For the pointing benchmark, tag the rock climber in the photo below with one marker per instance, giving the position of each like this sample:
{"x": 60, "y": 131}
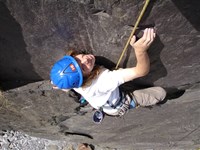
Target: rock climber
{"x": 101, "y": 86}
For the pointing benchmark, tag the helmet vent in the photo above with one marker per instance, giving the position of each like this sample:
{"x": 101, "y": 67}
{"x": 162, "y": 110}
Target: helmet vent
{"x": 69, "y": 69}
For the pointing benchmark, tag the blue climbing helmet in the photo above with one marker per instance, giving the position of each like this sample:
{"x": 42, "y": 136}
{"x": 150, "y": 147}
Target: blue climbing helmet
{"x": 66, "y": 73}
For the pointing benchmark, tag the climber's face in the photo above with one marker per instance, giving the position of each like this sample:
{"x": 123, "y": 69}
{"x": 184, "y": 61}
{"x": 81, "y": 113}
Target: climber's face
{"x": 86, "y": 62}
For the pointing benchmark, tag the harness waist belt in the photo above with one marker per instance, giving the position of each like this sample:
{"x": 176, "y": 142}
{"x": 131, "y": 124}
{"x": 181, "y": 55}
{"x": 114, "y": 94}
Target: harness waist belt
{"x": 118, "y": 102}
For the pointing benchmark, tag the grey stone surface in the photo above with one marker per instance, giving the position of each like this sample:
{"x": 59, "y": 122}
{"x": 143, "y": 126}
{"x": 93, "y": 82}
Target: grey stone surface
{"x": 34, "y": 34}
{"x": 39, "y": 111}
{"x": 14, "y": 140}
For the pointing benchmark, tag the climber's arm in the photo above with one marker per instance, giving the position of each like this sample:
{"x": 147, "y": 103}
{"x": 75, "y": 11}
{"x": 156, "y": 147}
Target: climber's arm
{"x": 143, "y": 64}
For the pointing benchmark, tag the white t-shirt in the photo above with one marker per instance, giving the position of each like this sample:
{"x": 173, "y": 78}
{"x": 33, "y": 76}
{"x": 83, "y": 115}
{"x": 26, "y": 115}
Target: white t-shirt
{"x": 104, "y": 88}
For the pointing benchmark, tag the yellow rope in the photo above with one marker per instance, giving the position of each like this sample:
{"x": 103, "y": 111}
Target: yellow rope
{"x": 133, "y": 31}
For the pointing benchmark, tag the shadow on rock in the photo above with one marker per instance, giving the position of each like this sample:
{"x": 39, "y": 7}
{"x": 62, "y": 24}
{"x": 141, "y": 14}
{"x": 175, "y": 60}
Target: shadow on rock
{"x": 102, "y": 61}
{"x": 172, "y": 93}
{"x": 16, "y": 66}
{"x": 157, "y": 69}
{"x": 189, "y": 9}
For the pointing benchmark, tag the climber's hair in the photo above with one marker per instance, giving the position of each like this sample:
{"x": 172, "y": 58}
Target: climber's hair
{"x": 94, "y": 73}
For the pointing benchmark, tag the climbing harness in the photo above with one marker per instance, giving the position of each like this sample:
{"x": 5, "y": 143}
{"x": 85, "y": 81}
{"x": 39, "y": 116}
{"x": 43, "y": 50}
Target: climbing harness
{"x": 125, "y": 105}
{"x": 133, "y": 31}
{"x": 118, "y": 102}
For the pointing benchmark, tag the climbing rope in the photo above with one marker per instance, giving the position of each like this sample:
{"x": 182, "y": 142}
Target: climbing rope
{"x": 133, "y": 31}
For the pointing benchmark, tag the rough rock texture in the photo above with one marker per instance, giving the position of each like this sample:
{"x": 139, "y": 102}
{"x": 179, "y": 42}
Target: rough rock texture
{"x": 40, "y": 111}
{"x": 35, "y": 33}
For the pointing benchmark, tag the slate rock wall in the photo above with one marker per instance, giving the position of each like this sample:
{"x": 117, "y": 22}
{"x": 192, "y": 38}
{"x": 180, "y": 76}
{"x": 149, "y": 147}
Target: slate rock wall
{"x": 39, "y": 111}
{"x": 34, "y": 34}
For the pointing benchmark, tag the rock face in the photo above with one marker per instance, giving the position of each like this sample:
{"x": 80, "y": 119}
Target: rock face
{"x": 39, "y": 111}
{"x": 34, "y": 34}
